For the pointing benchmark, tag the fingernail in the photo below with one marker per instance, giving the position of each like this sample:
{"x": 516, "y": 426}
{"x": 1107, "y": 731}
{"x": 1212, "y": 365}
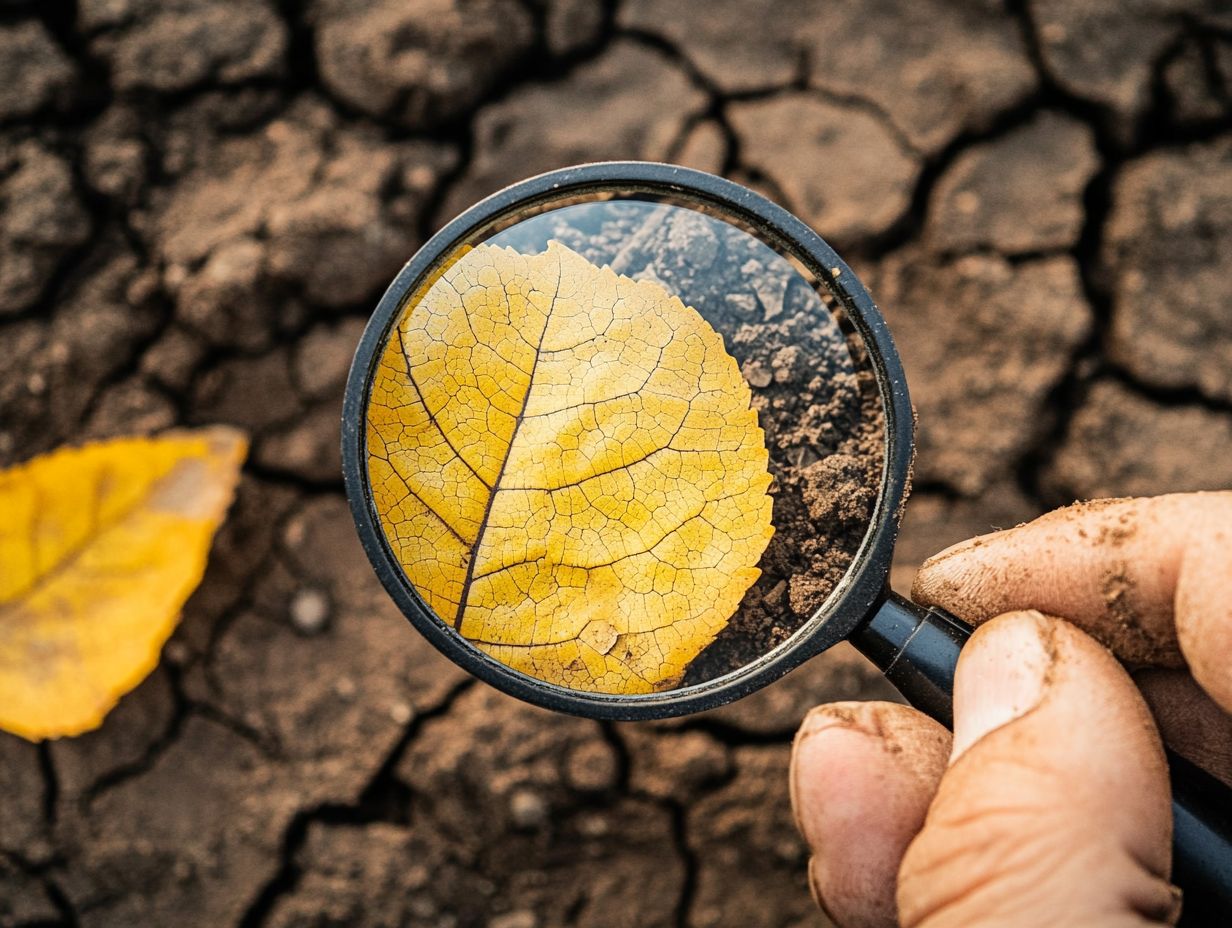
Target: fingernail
{"x": 1003, "y": 674}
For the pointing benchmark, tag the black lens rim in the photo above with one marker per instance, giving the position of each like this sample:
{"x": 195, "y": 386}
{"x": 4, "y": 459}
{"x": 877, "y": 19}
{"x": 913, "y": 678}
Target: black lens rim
{"x": 847, "y": 606}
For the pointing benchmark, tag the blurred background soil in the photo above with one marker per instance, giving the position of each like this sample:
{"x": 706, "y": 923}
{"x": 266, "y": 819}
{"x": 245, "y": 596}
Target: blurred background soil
{"x": 200, "y": 202}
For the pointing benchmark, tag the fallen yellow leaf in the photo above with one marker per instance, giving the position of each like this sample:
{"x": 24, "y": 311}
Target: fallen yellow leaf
{"x": 99, "y": 548}
{"x": 566, "y": 464}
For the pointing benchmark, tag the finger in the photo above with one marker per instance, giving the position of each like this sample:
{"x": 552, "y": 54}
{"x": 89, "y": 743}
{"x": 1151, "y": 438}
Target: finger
{"x": 1191, "y": 723}
{"x": 862, "y": 776}
{"x": 1204, "y": 605}
{"x": 1150, "y": 578}
{"x": 1055, "y": 809}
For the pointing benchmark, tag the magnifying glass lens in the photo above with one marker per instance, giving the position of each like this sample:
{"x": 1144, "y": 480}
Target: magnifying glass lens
{"x": 622, "y": 444}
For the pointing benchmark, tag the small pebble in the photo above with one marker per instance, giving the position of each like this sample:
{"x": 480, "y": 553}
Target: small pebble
{"x": 967, "y": 202}
{"x": 528, "y": 809}
{"x": 774, "y": 598}
{"x": 417, "y": 876}
{"x": 594, "y": 826}
{"x": 401, "y": 713}
{"x": 772, "y": 293}
{"x": 742, "y": 302}
{"x": 310, "y": 611}
{"x": 756, "y": 375}
{"x": 422, "y": 907}
{"x": 784, "y": 363}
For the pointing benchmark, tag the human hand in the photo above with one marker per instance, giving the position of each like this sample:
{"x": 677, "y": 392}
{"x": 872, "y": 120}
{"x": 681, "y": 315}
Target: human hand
{"x": 1049, "y": 805}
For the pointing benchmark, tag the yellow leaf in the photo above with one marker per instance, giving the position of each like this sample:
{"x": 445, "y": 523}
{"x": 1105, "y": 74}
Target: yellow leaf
{"x": 99, "y": 548}
{"x": 566, "y": 464}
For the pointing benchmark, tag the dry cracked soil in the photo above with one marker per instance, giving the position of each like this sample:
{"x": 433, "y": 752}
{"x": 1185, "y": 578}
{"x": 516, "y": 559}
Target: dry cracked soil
{"x": 200, "y": 201}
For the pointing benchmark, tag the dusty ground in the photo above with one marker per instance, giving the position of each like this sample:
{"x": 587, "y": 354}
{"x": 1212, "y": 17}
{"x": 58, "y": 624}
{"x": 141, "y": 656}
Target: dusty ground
{"x": 200, "y": 201}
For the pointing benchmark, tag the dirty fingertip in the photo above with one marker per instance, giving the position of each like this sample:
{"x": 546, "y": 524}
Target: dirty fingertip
{"x": 862, "y": 777}
{"x": 951, "y": 578}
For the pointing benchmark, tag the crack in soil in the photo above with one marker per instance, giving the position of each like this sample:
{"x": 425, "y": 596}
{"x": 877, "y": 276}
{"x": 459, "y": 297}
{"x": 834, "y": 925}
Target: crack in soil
{"x": 384, "y": 799}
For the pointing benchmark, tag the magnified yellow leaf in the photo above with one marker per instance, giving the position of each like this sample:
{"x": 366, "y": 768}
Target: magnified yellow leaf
{"x": 99, "y": 548}
{"x": 566, "y": 465}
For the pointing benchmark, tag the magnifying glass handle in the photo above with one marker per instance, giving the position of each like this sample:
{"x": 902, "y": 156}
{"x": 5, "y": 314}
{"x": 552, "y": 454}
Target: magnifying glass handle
{"x": 917, "y": 650}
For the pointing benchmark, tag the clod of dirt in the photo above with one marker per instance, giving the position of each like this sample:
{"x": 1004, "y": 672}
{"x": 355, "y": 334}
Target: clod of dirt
{"x": 499, "y": 748}
{"x": 540, "y": 127}
{"x": 592, "y": 767}
{"x": 1086, "y": 47}
{"x": 153, "y": 848}
{"x": 306, "y": 445}
{"x": 422, "y": 62}
{"x": 868, "y": 174}
{"x": 115, "y": 156}
{"x": 23, "y": 898}
{"x": 580, "y": 857}
{"x": 1199, "y": 81}
{"x": 519, "y": 919}
{"x": 1020, "y": 193}
{"x": 259, "y": 669}
{"x": 34, "y": 72}
{"x": 283, "y": 209}
{"x": 126, "y": 408}
{"x": 704, "y": 147}
{"x": 362, "y": 876}
{"x": 172, "y": 45}
{"x": 742, "y": 833}
{"x": 173, "y": 358}
{"x": 969, "y": 56}
{"x": 50, "y": 370}
{"x": 1121, "y": 444}
{"x": 1169, "y": 246}
{"x": 983, "y": 343}
{"x": 322, "y": 358}
{"x": 572, "y": 24}
{"x": 41, "y": 221}
{"x": 310, "y": 611}
{"x": 670, "y": 765}
{"x": 847, "y": 511}
{"x": 225, "y": 393}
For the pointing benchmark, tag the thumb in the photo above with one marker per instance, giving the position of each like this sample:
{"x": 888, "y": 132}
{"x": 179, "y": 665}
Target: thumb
{"x": 1055, "y": 807}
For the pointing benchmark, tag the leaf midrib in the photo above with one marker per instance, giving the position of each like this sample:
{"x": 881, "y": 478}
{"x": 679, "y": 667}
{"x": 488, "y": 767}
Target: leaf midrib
{"x": 513, "y": 437}
{"x": 74, "y": 553}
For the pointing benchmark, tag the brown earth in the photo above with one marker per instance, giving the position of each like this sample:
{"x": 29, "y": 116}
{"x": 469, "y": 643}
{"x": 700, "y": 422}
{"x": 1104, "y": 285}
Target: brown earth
{"x": 200, "y": 202}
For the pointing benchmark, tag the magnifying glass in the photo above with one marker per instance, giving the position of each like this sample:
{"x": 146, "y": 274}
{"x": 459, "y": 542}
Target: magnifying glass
{"x": 629, "y": 441}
